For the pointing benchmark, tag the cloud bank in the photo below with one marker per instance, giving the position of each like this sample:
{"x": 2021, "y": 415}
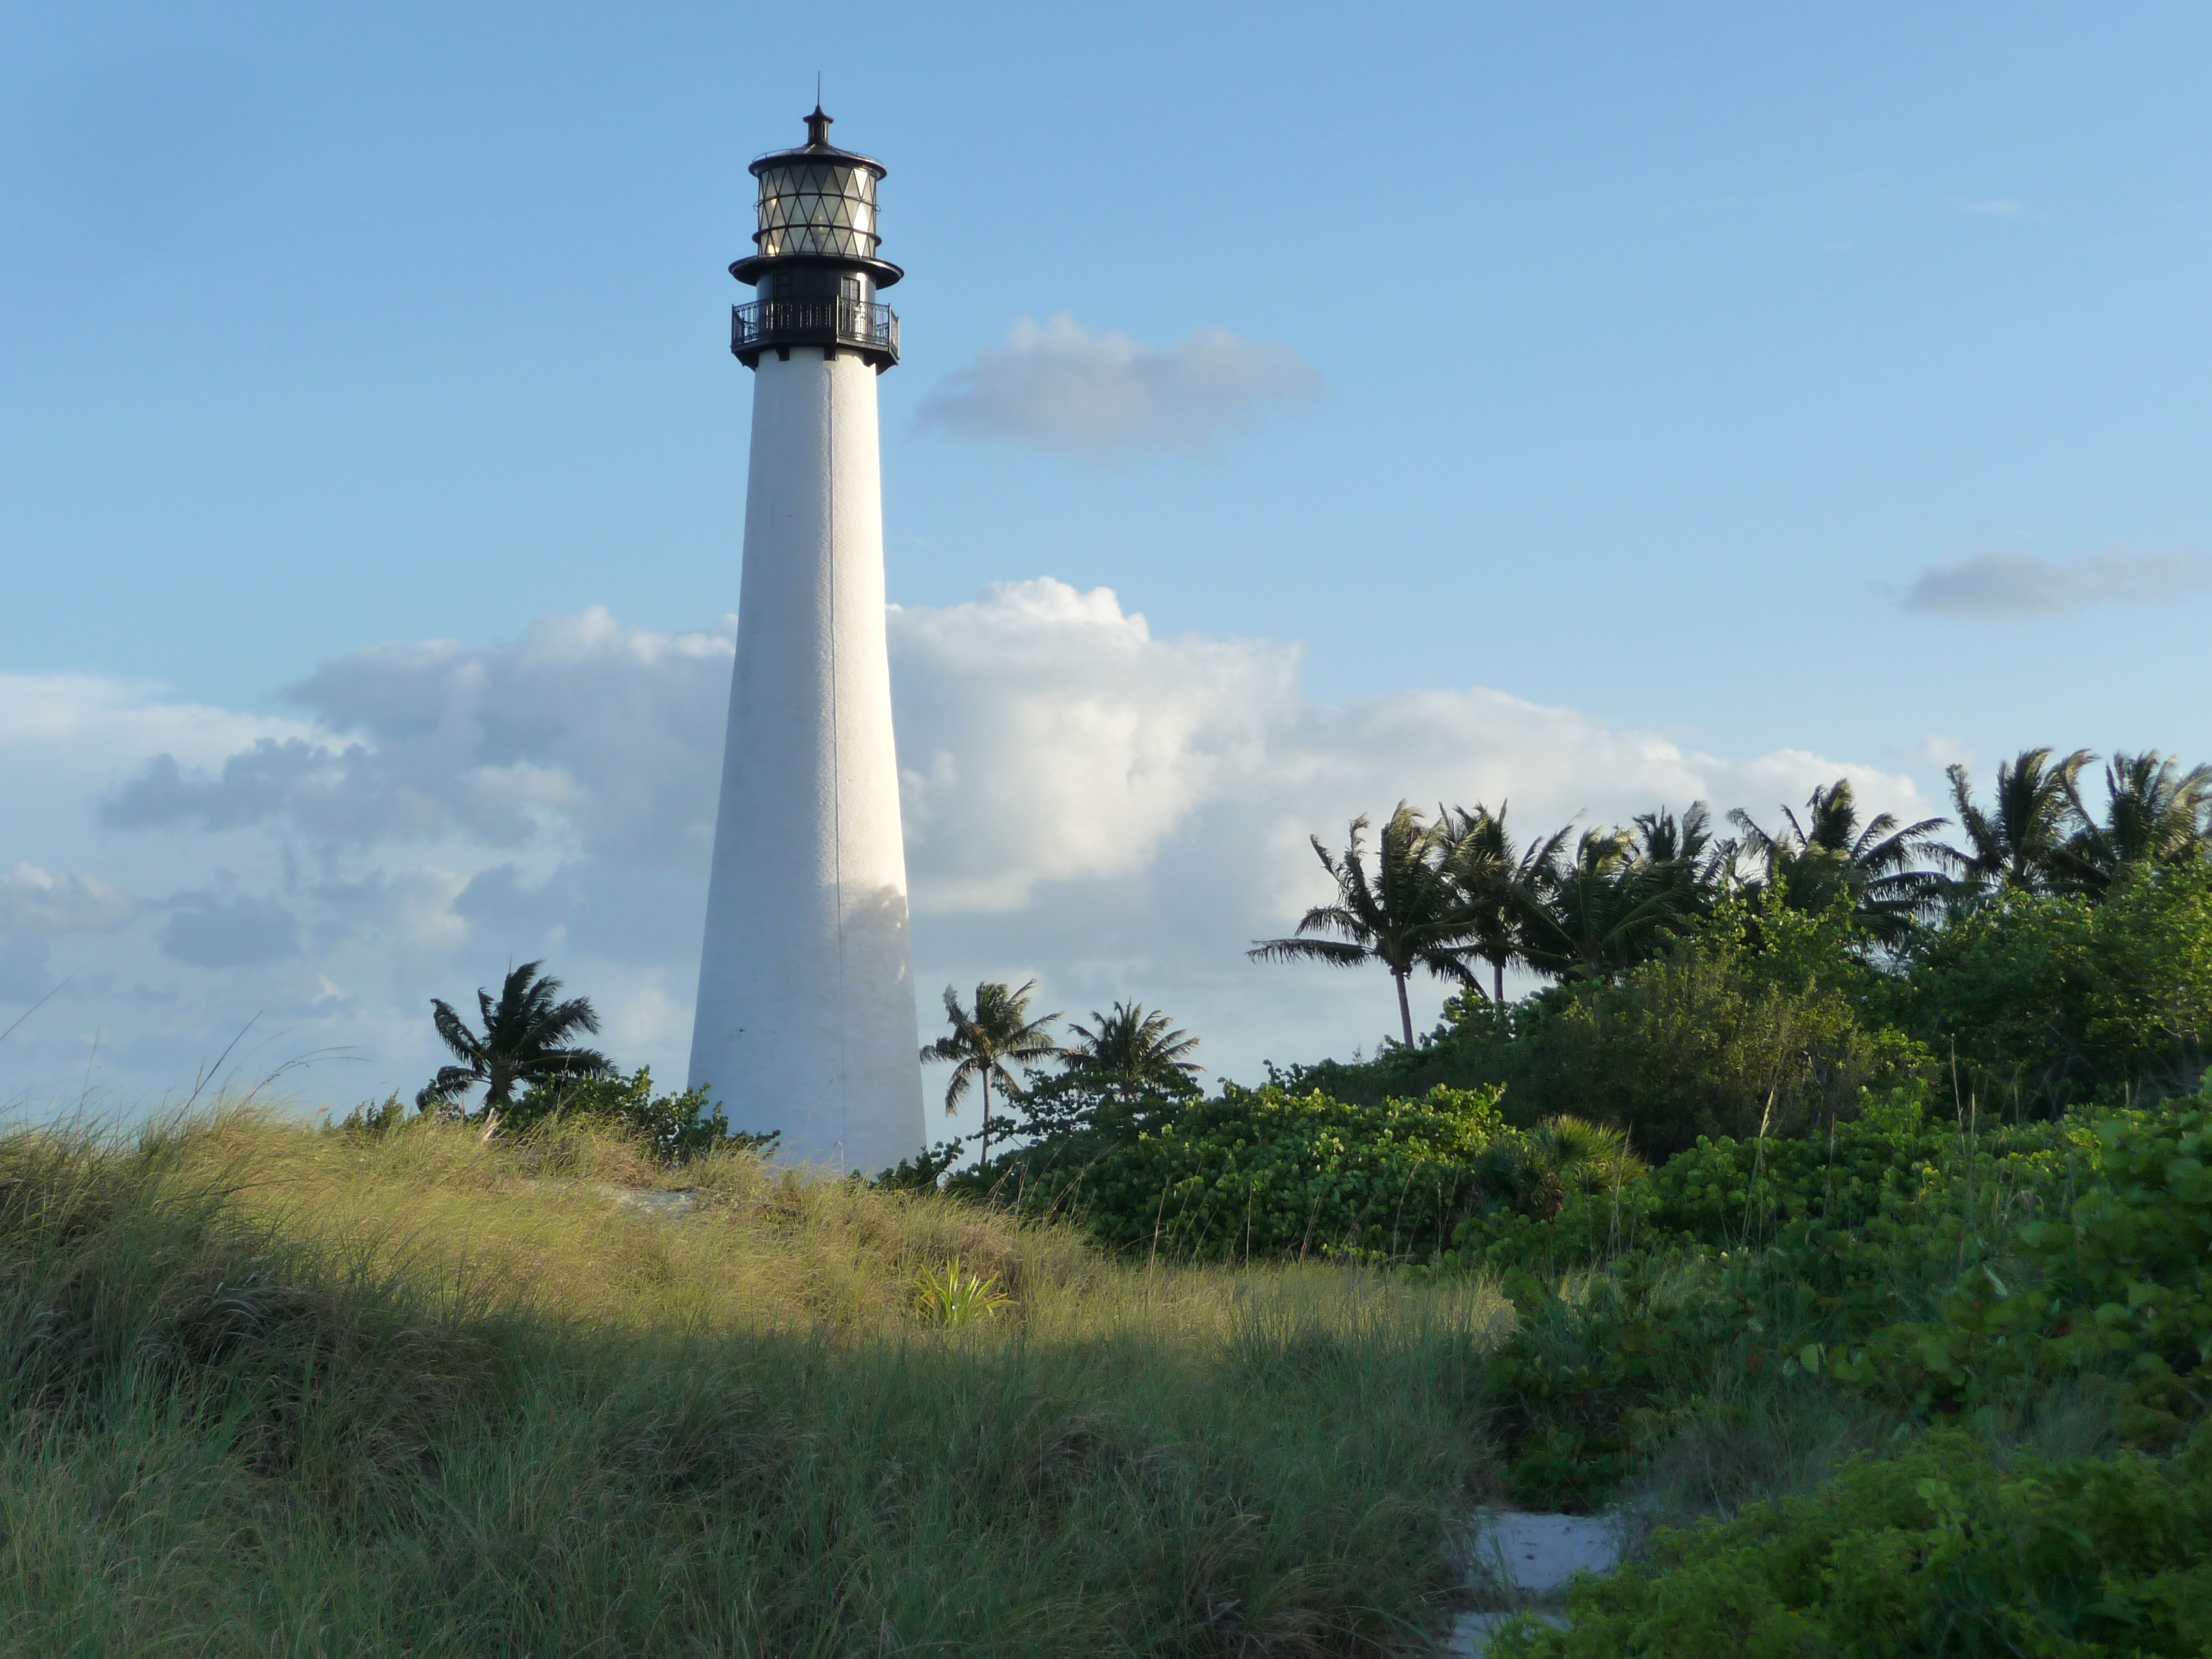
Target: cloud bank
{"x": 1117, "y": 813}
{"x": 1100, "y": 395}
{"x": 1997, "y": 585}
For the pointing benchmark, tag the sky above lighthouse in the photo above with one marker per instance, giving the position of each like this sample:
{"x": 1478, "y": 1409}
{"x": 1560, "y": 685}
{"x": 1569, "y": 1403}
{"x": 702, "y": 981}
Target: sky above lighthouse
{"x": 1585, "y": 407}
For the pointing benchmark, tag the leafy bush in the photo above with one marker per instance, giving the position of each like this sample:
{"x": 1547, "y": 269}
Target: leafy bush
{"x": 1257, "y": 1173}
{"x": 1886, "y": 1177}
{"x": 1269, "y": 1172}
{"x": 1766, "y": 1019}
{"x": 1757, "y": 1025}
{"x": 2054, "y": 1001}
{"x": 1945, "y": 1550}
{"x": 1604, "y": 1366}
{"x": 2119, "y": 1286}
{"x": 673, "y": 1127}
{"x": 1641, "y": 1305}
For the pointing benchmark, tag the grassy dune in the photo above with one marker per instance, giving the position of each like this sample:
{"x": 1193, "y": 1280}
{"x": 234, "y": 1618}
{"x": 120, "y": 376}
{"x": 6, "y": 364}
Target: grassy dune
{"x": 278, "y": 1391}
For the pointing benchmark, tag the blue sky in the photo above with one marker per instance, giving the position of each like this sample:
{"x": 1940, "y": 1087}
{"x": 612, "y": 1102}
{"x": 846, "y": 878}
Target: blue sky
{"x": 1641, "y": 361}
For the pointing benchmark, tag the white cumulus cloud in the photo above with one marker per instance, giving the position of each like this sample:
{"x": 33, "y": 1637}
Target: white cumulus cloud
{"x": 1118, "y": 813}
{"x": 1060, "y": 387}
{"x": 1046, "y": 735}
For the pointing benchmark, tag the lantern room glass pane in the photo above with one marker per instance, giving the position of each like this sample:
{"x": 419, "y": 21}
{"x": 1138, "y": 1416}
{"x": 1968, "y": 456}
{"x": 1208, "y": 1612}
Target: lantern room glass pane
{"x": 817, "y": 208}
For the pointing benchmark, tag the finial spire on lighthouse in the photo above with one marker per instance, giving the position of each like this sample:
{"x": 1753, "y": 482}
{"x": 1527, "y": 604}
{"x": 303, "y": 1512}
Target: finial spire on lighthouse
{"x": 805, "y": 1019}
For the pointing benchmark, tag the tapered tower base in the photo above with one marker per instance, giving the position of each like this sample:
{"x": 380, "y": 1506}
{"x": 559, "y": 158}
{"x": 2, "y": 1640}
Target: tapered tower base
{"x": 805, "y": 1019}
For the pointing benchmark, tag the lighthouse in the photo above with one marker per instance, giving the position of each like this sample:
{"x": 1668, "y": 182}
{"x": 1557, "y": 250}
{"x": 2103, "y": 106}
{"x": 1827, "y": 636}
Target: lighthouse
{"x": 806, "y": 1019}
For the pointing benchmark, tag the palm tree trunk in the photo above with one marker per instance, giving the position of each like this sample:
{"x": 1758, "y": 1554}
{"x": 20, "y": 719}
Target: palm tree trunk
{"x": 1497, "y": 979}
{"x": 984, "y": 1156}
{"x": 1405, "y": 1008}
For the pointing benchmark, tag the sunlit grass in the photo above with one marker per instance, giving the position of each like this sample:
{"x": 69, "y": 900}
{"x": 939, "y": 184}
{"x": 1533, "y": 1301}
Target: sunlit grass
{"x": 277, "y": 1390}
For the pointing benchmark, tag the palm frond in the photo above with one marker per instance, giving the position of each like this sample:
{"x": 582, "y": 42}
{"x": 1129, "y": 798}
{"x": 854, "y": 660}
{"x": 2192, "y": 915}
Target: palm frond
{"x": 1335, "y": 951}
{"x": 453, "y": 1031}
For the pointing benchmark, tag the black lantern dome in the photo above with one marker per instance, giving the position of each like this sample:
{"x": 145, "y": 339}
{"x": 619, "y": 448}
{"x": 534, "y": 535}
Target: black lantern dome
{"x": 814, "y": 262}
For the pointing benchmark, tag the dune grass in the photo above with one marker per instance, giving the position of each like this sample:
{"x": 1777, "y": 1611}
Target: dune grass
{"x": 272, "y": 1390}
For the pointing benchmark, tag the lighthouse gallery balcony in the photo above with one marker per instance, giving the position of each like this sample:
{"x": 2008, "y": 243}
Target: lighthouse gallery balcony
{"x": 869, "y": 330}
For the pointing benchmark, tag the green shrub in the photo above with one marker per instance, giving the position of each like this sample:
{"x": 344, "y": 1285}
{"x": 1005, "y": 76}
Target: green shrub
{"x": 1887, "y": 1177}
{"x": 673, "y": 1127}
{"x": 1945, "y": 1550}
{"x": 1260, "y": 1173}
{"x": 2119, "y": 1284}
{"x": 2054, "y": 1001}
{"x": 1729, "y": 1034}
{"x": 1765, "y": 1018}
{"x": 1645, "y": 1308}
{"x": 1604, "y": 1366}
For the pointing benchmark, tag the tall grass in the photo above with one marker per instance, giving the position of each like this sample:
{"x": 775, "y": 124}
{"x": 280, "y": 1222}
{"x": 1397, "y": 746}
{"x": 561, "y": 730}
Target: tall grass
{"x": 276, "y": 1391}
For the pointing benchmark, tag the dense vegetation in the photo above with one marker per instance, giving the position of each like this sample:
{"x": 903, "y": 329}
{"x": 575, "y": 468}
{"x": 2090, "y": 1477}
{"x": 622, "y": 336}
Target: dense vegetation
{"x": 1851, "y": 1190}
{"x": 1758, "y": 989}
{"x": 2011, "y": 1332}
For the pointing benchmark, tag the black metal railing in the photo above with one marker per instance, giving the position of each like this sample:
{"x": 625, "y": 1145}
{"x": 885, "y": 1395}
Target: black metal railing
{"x": 870, "y": 329}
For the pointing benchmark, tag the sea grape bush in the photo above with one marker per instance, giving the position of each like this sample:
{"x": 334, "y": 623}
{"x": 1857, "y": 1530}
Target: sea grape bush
{"x": 2116, "y": 1284}
{"x": 1256, "y": 1173}
{"x": 2131, "y": 1276}
{"x": 1863, "y": 1258}
{"x": 1927, "y": 1263}
{"x": 1890, "y": 1169}
{"x": 1946, "y": 1550}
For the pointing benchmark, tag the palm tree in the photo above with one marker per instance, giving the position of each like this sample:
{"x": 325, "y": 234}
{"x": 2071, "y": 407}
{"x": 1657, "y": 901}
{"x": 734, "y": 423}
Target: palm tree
{"x": 2154, "y": 813}
{"x": 1135, "y": 1047}
{"x": 1881, "y": 865}
{"x": 1409, "y": 916}
{"x": 1615, "y": 901}
{"x": 525, "y": 1040}
{"x": 1592, "y": 913}
{"x": 1498, "y": 886}
{"x": 1682, "y": 861}
{"x": 984, "y": 1038}
{"x": 2021, "y": 844}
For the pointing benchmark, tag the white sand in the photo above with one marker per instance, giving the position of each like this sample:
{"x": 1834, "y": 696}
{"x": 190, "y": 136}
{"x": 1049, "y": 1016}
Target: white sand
{"x": 1537, "y": 1555}
{"x": 1534, "y": 1556}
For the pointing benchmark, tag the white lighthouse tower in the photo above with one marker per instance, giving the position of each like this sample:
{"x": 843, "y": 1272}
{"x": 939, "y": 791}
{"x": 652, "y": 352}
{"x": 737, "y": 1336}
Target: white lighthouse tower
{"x": 805, "y": 1021}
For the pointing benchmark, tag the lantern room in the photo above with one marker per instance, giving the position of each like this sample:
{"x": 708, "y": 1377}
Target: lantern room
{"x": 814, "y": 262}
